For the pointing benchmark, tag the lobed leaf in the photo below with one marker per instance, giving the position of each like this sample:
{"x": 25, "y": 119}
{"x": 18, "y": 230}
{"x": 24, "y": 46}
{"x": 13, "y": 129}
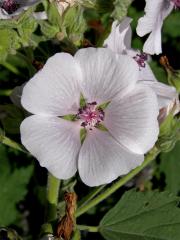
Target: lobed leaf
{"x": 143, "y": 216}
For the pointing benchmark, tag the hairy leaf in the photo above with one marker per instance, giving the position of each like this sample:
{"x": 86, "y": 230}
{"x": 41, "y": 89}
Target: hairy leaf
{"x": 121, "y": 8}
{"x": 143, "y": 216}
{"x": 170, "y": 166}
{"x": 13, "y": 188}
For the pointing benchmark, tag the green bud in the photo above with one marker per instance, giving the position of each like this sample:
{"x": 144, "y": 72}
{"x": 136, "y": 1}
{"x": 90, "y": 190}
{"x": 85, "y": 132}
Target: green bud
{"x": 169, "y": 133}
{"x": 173, "y": 75}
{"x": 174, "y": 79}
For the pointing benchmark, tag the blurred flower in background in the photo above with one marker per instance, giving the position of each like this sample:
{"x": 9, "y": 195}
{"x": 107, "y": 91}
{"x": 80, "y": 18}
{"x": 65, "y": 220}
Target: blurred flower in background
{"x": 155, "y": 13}
{"x": 12, "y": 8}
{"x": 119, "y": 41}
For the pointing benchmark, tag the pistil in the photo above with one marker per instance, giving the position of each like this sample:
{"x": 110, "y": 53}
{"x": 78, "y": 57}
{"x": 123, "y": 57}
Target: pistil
{"x": 90, "y": 115}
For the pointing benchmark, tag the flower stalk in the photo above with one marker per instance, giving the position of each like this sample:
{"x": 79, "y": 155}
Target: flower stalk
{"x": 53, "y": 186}
{"x": 87, "y": 228}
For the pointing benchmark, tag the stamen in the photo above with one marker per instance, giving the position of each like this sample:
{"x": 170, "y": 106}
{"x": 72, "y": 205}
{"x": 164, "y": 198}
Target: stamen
{"x": 141, "y": 59}
{"x": 10, "y": 6}
{"x": 90, "y": 115}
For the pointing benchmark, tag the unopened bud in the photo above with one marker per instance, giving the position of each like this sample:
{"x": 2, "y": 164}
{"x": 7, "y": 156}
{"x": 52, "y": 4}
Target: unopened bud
{"x": 173, "y": 75}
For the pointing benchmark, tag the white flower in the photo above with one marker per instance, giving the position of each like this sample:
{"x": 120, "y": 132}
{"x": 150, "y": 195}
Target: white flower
{"x": 11, "y": 8}
{"x": 130, "y": 117}
{"x": 155, "y": 13}
{"x": 119, "y": 41}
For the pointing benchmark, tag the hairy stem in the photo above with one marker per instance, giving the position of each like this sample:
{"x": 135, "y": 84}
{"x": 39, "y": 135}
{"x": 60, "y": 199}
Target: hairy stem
{"x": 87, "y": 228}
{"x": 10, "y": 143}
{"x": 149, "y": 158}
{"x": 52, "y": 197}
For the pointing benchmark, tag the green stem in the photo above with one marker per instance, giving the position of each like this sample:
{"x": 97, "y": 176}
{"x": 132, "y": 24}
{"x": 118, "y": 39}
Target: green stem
{"x": 52, "y": 197}
{"x": 87, "y": 228}
{"x": 5, "y": 92}
{"x": 12, "y": 68}
{"x": 149, "y": 158}
{"x": 10, "y": 143}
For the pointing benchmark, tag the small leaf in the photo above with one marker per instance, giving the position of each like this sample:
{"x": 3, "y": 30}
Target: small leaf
{"x": 9, "y": 42}
{"x": 48, "y": 30}
{"x": 102, "y": 127}
{"x": 143, "y": 216}
{"x": 82, "y": 102}
{"x": 103, "y": 106}
{"x": 74, "y": 24}
{"x": 121, "y": 8}
{"x": 70, "y": 117}
{"x": 13, "y": 188}
{"x": 83, "y": 133}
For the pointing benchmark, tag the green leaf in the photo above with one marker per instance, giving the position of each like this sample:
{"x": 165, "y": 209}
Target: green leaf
{"x": 9, "y": 42}
{"x": 48, "y": 30}
{"x": 82, "y": 101}
{"x": 13, "y": 188}
{"x": 103, "y": 105}
{"x": 25, "y": 29}
{"x": 83, "y": 133}
{"x": 69, "y": 117}
{"x": 170, "y": 166}
{"x": 102, "y": 127}
{"x": 74, "y": 24}
{"x": 121, "y": 8}
{"x": 143, "y": 216}
{"x": 11, "y": 118}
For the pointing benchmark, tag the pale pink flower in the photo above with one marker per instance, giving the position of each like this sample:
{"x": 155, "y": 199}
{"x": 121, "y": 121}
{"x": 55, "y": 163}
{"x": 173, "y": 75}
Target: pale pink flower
{"x": 155, "y": 13}
{"x": 119, "y": 41}
{"x": 101, "y": 77}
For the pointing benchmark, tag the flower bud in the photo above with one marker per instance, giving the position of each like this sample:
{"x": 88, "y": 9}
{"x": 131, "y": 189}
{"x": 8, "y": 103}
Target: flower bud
{"x": 173, "y": 75}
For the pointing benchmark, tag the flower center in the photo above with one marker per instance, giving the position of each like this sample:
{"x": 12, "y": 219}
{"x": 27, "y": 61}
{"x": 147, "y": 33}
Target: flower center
{"x": 10, "y": 6}
{"x": 90, "y": 115}
{"x": 176, "y": 3}
{"x": 141, "y": 59}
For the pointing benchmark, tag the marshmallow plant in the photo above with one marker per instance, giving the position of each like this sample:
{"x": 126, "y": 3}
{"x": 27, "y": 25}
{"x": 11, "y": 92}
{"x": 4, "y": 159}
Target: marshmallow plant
{"x": 155, "y": 13}
{"x": 118, "y": 116}
{"x": 119, "y": 41}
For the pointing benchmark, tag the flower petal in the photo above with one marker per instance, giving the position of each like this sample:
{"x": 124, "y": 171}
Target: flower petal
{"x": 54, "y": 142}
{"x": 132, "y": 120}
{"x": 106, "y": 74}
{"x": 120, "y": 37}
{"x": 102, "y": 159}
{"x": 166, "y": 94}
{"x": 54, "y": 90}
{"x": 155, "y": 13}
